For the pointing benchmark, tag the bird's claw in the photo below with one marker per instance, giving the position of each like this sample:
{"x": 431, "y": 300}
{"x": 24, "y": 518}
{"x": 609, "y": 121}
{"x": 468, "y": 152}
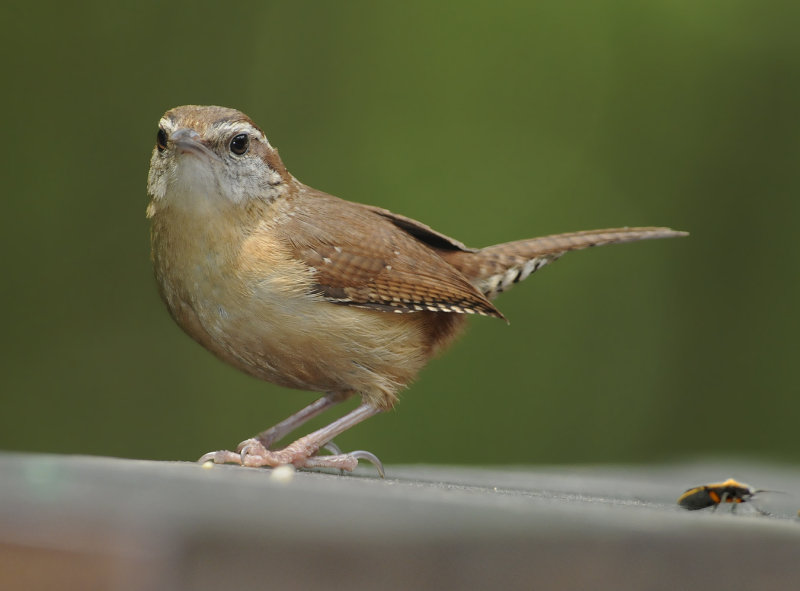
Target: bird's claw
{"x": 333, "y": 448}
{"x": 252, "y": 453}
{"x": 249, "y": 452}
{"x": 370, "y": 457}
{"x": 220, "y": 457}
{"x": 347, "y": 461}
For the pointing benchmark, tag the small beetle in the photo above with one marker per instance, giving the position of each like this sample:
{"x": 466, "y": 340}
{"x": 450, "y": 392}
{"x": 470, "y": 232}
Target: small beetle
{"x": 713, "y": 495}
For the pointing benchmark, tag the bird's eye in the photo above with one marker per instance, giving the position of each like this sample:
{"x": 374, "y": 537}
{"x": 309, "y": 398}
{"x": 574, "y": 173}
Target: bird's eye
{"x": 240, "y": 143}
{"x": 161, "y": 140}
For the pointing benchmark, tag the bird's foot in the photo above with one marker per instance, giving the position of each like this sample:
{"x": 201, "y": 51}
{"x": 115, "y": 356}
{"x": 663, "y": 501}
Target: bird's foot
{"x": 301, "y": 454}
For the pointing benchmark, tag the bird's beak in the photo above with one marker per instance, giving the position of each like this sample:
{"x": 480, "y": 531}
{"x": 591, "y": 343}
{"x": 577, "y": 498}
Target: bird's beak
{"x": 188, "y": 141}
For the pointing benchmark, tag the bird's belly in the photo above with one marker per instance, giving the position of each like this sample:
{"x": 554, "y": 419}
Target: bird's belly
{"x": 307, "y": 343}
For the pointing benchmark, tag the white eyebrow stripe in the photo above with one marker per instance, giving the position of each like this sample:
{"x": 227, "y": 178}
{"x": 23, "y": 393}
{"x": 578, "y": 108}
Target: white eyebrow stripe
{"x": 229, "y": 127}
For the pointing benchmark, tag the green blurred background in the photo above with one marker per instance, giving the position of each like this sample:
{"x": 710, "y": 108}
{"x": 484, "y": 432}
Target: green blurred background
{"x": 490, "y": 122}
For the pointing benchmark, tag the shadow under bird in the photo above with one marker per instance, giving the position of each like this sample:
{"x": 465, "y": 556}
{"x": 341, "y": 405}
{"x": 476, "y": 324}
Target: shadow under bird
{"x": 305, "y": 290}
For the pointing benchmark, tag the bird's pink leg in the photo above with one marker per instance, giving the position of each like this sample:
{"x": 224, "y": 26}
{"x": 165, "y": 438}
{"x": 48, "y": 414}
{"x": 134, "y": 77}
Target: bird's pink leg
{"x": 289, "y": 424}
{"x": 302, "y": 453}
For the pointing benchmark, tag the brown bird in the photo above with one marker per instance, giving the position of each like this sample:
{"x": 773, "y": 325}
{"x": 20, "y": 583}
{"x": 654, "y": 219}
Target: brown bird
{"x": 305, "y": 290}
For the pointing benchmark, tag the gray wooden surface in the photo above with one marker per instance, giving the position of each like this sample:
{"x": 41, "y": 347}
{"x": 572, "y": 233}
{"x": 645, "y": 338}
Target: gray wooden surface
{"x": 73, "y": 522}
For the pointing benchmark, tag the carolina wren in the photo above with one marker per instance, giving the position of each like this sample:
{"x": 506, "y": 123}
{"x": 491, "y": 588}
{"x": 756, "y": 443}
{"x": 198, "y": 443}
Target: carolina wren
{"x": 302, "y": 289}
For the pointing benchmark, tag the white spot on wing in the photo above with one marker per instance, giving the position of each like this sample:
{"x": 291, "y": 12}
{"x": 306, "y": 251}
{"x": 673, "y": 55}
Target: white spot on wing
{"x": 508, "y": 277}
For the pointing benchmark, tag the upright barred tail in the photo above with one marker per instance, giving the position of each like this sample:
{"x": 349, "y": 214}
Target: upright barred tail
{"x": 496, "y": 268}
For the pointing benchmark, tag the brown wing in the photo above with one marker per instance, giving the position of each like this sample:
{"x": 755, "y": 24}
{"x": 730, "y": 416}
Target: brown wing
{"x": 422, "y": 232}
{"x": 368, "y": 257}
